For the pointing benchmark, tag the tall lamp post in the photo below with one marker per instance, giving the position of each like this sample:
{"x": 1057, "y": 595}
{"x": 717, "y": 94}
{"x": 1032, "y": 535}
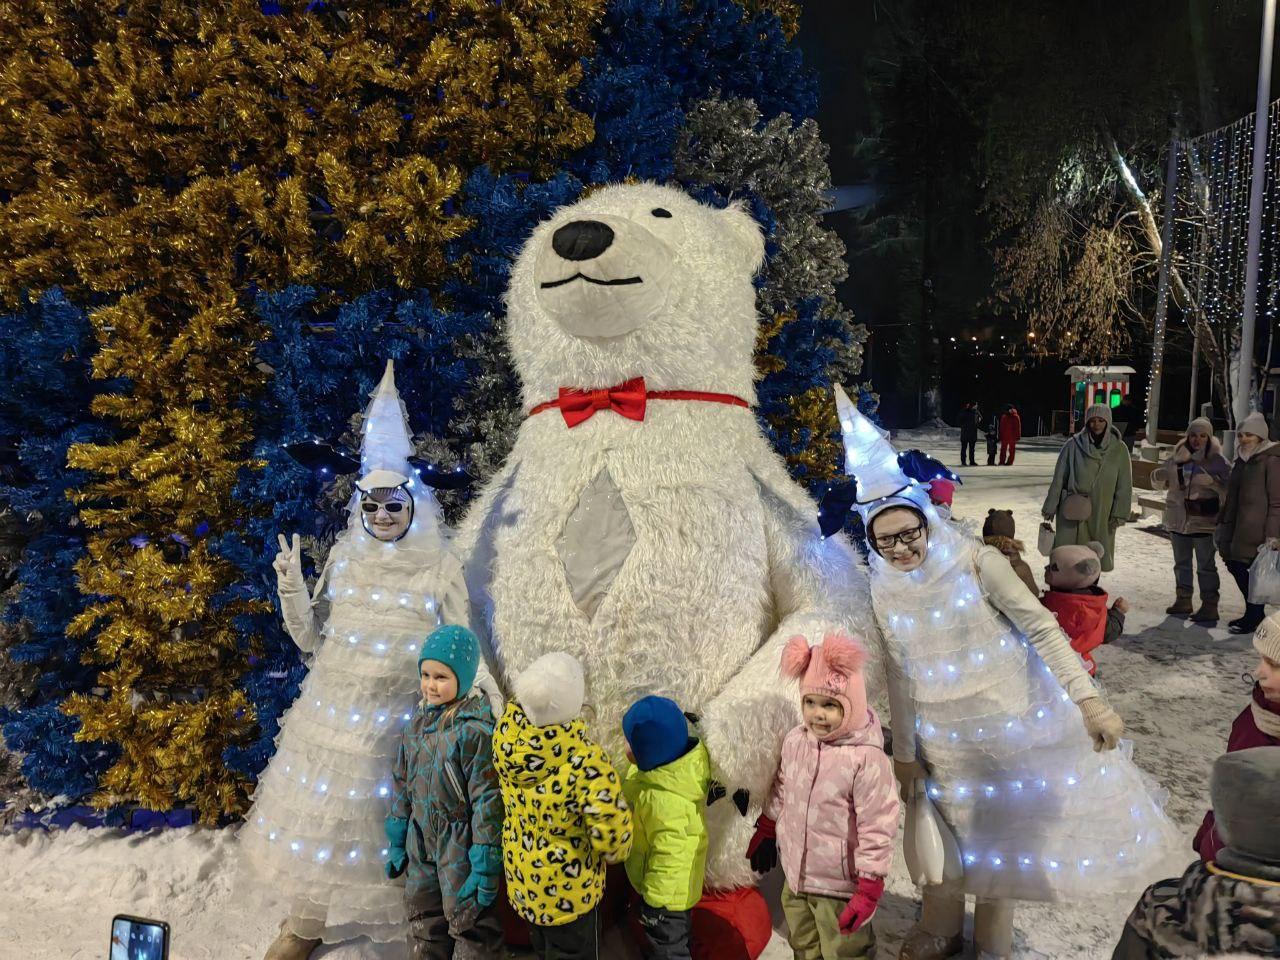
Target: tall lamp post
{"x": 1244, "y": 384}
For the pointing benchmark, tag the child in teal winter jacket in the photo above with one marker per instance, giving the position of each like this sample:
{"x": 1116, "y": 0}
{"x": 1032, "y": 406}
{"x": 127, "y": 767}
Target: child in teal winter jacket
{"x": 445, "y": 826}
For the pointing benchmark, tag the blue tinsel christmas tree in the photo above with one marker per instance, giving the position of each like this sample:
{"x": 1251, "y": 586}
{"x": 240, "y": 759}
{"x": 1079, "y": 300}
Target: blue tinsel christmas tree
{"x": 44, "y": 408}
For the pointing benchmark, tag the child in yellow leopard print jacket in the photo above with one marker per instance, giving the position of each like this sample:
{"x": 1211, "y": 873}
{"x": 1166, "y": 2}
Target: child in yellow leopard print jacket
{"x": 565, "y": 813}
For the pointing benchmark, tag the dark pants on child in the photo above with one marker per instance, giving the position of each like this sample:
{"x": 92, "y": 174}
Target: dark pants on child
{"x": 1253, "y": 612}
{"x": 668, "y": 932}
{"x": 576, "y": 940}
{"x": 991, "y": 451}
{"x": 429, "y": 937}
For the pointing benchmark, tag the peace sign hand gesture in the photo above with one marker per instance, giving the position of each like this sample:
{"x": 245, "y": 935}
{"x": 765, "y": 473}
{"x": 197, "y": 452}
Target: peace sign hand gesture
{"x": 288, "y": 564}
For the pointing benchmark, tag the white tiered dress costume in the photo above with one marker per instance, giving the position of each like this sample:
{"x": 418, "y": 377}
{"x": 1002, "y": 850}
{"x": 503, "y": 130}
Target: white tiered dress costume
{"x": 315, "y": 834}
{"x": 981, "y": 671}
{"x": 983, "y": 689}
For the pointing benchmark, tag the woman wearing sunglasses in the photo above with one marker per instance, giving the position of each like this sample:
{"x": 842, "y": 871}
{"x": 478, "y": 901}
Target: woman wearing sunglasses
{"x": 994, "y": 720}
{"x": 315, "y": 834}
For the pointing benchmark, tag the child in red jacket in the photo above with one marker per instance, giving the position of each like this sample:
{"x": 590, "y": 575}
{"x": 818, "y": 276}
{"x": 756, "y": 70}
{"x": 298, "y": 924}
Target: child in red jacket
{"x": 1079, "y": 603}
{"x": 1258, "y": 724}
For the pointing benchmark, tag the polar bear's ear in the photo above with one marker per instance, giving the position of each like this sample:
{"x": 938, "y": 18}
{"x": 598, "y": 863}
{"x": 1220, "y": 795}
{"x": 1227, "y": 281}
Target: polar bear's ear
{"x": 747, "y": 234}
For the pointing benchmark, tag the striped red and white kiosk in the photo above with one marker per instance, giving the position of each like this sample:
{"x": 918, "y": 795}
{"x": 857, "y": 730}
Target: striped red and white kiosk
{"x": 1090, "y": 385}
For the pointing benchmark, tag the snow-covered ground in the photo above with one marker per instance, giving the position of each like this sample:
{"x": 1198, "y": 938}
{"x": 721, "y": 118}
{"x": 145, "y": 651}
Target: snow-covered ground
{"x": 1177, "y": 686}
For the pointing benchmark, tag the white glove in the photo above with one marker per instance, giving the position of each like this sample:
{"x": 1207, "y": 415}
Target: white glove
{"x": 295, "y": 601}
{"x": 1104, "y": 724}
{"x": 288, "y": 566}
{"x": 489, "y": 687}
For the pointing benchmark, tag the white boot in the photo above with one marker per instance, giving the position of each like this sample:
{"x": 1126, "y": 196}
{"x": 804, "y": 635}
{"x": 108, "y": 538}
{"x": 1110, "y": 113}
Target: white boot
{"x": 289, "y": 946}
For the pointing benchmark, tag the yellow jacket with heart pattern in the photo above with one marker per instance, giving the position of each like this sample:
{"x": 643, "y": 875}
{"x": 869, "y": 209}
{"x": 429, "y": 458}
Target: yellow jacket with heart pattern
{"x": 566, "y": 817}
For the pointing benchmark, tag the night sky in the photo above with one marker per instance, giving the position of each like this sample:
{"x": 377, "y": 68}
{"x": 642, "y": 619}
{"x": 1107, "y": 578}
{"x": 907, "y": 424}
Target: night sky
{"x": 845, "y": 41}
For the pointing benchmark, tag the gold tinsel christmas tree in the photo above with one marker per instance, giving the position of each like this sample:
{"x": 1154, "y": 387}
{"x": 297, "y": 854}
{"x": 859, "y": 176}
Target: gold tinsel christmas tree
{"x": 162, "y": 161}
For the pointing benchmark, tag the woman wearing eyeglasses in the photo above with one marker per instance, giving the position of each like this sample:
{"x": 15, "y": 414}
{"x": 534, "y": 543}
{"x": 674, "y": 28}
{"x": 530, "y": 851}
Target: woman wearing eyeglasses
{"x": 316, "y": 833}
{"x": 994, "y": 719}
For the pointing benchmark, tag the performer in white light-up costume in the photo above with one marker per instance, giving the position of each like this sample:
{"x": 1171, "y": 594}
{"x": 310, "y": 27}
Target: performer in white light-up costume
{"x": 315, "y": 833}
{"x": 992, "y": 707}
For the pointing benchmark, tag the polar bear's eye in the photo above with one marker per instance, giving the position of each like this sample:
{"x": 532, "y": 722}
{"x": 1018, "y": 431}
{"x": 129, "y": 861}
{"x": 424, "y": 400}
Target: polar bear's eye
{"x": 659, "y": 212}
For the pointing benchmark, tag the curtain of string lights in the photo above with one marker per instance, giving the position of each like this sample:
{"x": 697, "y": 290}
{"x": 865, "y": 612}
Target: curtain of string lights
{"x": 1211, "y": 229}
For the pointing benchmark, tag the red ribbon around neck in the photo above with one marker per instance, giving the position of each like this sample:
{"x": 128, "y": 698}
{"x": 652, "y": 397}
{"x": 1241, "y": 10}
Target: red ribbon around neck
{"x": 627, "y": 399}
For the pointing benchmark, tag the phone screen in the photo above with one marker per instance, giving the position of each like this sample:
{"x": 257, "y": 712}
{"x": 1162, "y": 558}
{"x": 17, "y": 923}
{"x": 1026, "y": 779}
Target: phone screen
{"x": 133, "y": 938}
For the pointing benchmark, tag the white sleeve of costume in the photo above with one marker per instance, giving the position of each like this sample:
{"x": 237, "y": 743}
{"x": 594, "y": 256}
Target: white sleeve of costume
{"x": 902, "y": 710}
{"x": 298, "y": 608}
{"x": 818, "y": 585}
{"x": 1012, "y": 598}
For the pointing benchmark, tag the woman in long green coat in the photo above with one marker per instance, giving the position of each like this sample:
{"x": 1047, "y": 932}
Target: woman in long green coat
{"x": 1093, "y": 465}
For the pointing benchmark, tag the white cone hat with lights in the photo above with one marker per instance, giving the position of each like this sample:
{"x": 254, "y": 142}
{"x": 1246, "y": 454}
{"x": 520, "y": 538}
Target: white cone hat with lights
{"x": 386, "y": 445}
{"x": 870, "y": 459}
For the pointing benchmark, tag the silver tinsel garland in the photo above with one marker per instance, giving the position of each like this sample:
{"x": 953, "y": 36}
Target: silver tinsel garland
{"x": 725, "y": 145}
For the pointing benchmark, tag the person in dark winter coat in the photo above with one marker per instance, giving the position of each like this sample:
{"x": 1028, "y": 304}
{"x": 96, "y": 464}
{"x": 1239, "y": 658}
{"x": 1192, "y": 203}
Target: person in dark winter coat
{"x": 445, "y": 826}
{"x": 1195, "y": 477}
{"x": 998, "y": 531}
{"x": 1010, "y": 434}
{"x": 993, "y": 438}
{"x": 970, "y": 417}
{"x": 1230, "y": 905}
{"x": 1126, "y": 418}
{"x": 1258, "y": 724}
{"x": 1251, "y": 514}
{"x": 1079, "y": 603}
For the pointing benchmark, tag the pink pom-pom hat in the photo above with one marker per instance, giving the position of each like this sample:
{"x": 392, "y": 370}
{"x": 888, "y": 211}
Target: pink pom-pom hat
{"x": 832, "y": 669}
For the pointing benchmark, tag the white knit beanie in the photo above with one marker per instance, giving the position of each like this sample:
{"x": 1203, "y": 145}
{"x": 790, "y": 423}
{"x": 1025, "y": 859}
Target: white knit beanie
{"x": 1256, "y": 424}
{"x": 1266, "y": 639}
{"x": 551, "y": 689}
{"x": 1200, "y": 425}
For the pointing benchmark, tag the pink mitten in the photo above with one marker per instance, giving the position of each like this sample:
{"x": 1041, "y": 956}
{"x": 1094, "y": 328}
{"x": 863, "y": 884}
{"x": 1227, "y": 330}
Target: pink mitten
{"x": 862, "y": 904}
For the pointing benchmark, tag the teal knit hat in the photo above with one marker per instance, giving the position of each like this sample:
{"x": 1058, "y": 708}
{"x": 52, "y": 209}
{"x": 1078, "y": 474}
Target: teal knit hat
{"x": 458, "y": 649}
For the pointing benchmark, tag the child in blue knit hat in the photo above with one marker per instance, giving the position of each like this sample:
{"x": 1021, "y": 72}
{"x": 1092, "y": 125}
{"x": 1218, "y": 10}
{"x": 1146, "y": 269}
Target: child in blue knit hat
{"x": 666, "y": 787}
{"x": 446, "y": 798}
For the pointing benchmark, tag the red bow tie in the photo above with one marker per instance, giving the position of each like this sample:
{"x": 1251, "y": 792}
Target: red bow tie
{"x": 628, "y": 399}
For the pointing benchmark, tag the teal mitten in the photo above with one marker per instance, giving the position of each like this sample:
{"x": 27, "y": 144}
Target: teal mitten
{"x": 397, "y": 833}
{"x": 482, "y": 882}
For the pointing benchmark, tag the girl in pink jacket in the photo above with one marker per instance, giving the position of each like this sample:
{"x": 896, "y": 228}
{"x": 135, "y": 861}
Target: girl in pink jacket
{"x": 833, "y": 811}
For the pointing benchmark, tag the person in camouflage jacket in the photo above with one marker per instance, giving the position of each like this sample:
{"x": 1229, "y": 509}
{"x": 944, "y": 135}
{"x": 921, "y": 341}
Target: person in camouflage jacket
{"x": 1231, "y": 904}
{"x": 445, "y": 827}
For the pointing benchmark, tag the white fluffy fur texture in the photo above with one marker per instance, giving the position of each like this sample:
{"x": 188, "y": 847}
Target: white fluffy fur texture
{"x": 551, "y": 689}
{"x": 728, "y": 561}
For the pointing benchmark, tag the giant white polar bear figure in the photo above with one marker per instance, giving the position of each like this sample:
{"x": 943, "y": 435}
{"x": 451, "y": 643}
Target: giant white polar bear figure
{"x": 649, "y": 529}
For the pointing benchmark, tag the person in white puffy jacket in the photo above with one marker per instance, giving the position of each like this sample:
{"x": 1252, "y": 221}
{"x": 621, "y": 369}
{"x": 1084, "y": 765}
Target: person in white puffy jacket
{"x": 995, "y": 719}
{"x": 315, "y": 833}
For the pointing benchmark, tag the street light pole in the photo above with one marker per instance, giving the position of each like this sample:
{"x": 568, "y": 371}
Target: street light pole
{"x": 1244, "y": 385}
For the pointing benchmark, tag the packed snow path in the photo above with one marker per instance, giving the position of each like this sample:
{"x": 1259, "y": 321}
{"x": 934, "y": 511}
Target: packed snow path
{"x": 1177, "y": 686}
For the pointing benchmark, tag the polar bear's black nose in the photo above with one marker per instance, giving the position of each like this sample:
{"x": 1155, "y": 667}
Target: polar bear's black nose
{"x": 582, "y": 239}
